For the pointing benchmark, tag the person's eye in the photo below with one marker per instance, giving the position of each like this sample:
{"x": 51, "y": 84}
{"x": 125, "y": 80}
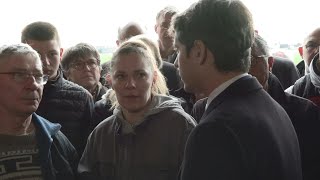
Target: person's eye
{"x": 142, "y": 74}
{"x": 119, "y": 76}
{"x": 311, "y": 46}
{"x": 92, "y": 63}
{"x": 38, "y": 77}
{"x": 53, "y": 54}
{"x": 21, "y": 75}
{"x": 75, "y": 66}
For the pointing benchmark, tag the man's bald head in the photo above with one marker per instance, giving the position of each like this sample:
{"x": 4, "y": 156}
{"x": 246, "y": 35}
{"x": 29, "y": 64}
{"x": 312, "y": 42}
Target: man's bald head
{"x": 311, "y": 46}
{"x": 129, "y": 30}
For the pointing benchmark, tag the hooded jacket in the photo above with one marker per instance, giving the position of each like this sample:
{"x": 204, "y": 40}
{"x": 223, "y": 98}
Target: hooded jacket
{"x": 150, "y": 149}
{"x": 309, "y": 85}
{"x": 58, "y": 158}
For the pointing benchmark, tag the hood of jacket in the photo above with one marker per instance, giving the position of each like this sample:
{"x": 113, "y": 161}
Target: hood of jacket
{"x": 314, "y": 72}
{"x": 159, "y": 104}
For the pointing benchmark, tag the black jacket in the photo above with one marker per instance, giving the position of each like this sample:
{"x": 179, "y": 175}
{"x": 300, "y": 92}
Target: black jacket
{"x": 285, "y": 71}
{"x": 304, "y": 87}
{"x": 71, "y": 106}
{"x": 245, "y": 135}
{"x": 305, "y": 117}
{"x": 172, "y": 76}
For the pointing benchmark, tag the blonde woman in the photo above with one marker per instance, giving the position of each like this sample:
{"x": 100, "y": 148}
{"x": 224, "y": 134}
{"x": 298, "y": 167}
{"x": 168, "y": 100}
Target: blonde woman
{"x": 146, "y": 135}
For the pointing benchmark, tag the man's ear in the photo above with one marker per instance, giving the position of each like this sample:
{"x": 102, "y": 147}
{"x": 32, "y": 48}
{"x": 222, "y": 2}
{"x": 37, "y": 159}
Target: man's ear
{"x": 156, "y": 28}
{"x": 300, "y": 49}
{"x": 199, "y": 51}
{"x": 108, "y": 79}
{"x": 61, "y": 52}
{"x": 270, "y": 62}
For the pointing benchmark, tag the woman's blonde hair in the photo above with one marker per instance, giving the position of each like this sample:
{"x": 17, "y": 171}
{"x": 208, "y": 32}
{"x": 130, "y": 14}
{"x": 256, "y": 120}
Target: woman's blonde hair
{"x": 152, "y": 45}
{"x": 142, "y": 50}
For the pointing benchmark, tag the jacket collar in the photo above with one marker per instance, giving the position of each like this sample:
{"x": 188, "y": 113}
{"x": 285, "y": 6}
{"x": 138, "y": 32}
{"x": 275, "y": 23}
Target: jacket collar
{"x": 275, "y": 89}
{"x": 44, "y": 132}
{"x": 57, "y": 81}
{"x": 240, "y": 87}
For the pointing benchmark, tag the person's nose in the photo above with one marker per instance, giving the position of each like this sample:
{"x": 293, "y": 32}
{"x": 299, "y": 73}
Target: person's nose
{"x": 86, "y": 67}
{"x": 131, "y": 83}
{"x": 32, "y": 83}
{"x": 45, "y": 60}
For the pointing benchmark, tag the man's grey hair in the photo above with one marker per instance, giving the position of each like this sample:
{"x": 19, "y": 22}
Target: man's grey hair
{"x": 171, "y": 10}
{"x": 18, "y": 50}
{"x": 260, "y": 45}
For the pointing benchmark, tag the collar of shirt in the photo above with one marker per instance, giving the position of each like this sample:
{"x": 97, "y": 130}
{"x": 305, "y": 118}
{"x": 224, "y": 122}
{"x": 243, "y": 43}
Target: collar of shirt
{"x": 222, "y": 87}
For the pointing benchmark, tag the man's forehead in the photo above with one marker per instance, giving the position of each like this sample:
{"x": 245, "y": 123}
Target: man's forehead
{"x": 314, "y": 36}
{"x": 23, "y": 62}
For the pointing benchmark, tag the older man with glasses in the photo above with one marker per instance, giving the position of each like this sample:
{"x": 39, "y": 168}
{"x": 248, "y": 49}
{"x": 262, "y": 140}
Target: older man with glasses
{"x": 308, "y": 50}
{"x": 30, "y": 146}
{"x": 81, "y": 65}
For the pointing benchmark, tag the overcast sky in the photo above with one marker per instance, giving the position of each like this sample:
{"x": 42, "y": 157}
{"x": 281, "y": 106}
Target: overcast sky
{"x": 96, "y": 21}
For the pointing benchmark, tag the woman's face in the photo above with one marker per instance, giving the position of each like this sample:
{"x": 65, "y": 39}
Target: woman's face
{"x": 132, "y": 80}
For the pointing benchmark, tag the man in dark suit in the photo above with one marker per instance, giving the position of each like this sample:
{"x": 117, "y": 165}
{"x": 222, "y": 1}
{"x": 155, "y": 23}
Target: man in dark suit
{"x": 244, "y": 133}
{"x": 303, "y": 113}
{"x": 285, "y": 71}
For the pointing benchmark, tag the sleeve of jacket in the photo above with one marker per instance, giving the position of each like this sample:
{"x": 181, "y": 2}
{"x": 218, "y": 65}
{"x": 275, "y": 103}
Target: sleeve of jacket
{"x": 63, "y": 148}
{"x": 88, "y": 119}
{"x": 86, "y": 164}
{"x": 180, "y": 134}
{"x": 212, "y": 152}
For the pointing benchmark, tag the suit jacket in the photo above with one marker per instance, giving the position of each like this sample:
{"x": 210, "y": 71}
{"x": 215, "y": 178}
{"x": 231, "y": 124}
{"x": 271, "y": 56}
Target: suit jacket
{"x": 285, "y": 71}
{"x": 301, "y": 69}
{"x": 198, "y": 109}
{"x": 245, "y": 135}
{"x": 171, "y": 74}
{"x": 305, "y": 117}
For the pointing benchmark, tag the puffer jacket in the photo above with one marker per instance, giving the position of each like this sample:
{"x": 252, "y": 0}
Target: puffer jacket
{"x": 151, "y": 149}
{"x": 71, "y": 106}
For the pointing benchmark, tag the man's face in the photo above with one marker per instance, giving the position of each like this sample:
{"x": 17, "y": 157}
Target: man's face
{"x": 162, "y": 29}
{"x": 259, "y": 68}
{"x": 311, "y": 46}
{"x": 85, "y": 72}
{"x": 50, "y": 54}
{"x": 16, "y": 96}
{"x": 186, "y": 67}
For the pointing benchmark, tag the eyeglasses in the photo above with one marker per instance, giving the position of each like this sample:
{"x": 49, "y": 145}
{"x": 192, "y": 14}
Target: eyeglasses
{"x": 312, "y": 46}
{"x": 21, "y": 77}
{"x": 254, "y": 59}
{"x": 82, "y": 65}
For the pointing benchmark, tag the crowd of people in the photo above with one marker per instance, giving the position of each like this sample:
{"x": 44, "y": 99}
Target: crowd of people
{"x": 205, "y": 101}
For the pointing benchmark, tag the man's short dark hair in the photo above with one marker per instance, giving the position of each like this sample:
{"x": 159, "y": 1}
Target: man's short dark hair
{"x": 224, "y": 26}
{"x": 40, "y": 31}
